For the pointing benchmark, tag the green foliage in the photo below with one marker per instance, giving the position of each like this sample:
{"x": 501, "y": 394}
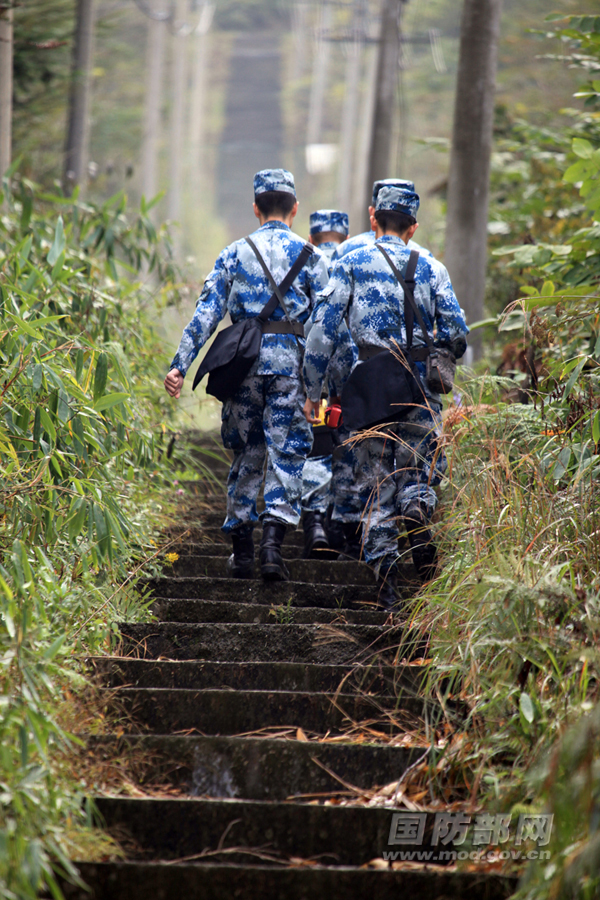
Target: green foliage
{"x": 80, "y": 434}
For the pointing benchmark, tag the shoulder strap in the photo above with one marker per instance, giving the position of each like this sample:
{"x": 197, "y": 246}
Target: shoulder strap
{"x": 408, "y": 286}
{"x": 279, "y": 290}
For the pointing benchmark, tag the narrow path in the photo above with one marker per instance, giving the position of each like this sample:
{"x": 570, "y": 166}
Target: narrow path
{"x": 265, "y": 708}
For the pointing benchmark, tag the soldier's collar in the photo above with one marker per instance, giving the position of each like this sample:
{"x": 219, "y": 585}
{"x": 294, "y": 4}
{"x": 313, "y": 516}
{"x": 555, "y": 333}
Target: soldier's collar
{"x": 391, "y": 238}
{"x": 275, "y": 223}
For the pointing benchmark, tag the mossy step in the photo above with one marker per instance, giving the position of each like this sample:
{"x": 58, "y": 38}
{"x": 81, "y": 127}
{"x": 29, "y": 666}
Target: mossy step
{"x": 331, "y": 645}
{"x": 196, "y": 611}
{"x": 309, "y": 571}
{"x": 254, "y": 768}
{"x": 209, "y": 881}
{"x": 178, "y": 828}
{"x": 383, "y": 681}
{"x": 296, "y": 593}
{"x": 167, "y": 711}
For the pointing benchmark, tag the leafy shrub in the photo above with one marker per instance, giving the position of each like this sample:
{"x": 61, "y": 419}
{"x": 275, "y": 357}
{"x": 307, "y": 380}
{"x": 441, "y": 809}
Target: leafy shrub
{"x": 80, "y": 434}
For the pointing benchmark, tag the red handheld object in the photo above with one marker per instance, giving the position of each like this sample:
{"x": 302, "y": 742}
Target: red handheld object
{"x": 333, "y": 416}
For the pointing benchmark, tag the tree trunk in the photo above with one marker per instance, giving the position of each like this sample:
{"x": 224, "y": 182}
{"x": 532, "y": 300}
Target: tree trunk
{"x": 6, "y": 68}
{"x": 154, "y": 74}
{"x": 359, "y": 219}
{"x": 350, "y": 110}
{"x": 385, "y": 96}
{"x": 76, "y": 148}
{"x": 468, "y": 185}
{"x": 319, "y": 79}
{"x": 176, "y": 150}
{"x": 198, "y": 103}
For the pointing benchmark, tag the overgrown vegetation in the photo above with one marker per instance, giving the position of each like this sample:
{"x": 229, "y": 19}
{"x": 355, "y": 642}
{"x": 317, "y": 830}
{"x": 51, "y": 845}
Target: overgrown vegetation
{"x": 515, "y": 614}
{"x": 80, "y": 448}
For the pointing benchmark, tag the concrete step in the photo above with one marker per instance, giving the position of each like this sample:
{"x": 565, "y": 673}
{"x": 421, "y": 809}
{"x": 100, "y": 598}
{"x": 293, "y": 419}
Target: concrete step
{"x": 208, "y": 881}
{"x": 331, "y": 645}
{"x": 254, "y": 768}
{"x": 309, "y": 571}
{"x": 222, "y": 547}
{"x": 242, "y": 590}
{"x": 168, "y": 710}
{"x": 176, "y": 829}
{"x": 260, "y": 613}
{"x": 383, "y": 681}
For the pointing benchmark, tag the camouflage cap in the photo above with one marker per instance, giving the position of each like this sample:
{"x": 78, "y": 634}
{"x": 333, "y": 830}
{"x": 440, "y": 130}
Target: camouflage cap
{"x": 397, "y": 199}
{"x": 274, "y": 180}
{"x": 329, "y": 220}
{"x": 393, "y": 182}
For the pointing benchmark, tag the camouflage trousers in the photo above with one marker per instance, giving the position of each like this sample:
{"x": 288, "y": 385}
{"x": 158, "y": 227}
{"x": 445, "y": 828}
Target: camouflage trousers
{"x": 264, "y": 422}
{"x": 330, "y": 481}
{"x": 394, "y": 472}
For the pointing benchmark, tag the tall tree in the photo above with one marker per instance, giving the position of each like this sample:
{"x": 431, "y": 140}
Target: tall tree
{"x": 155, "y": 54}
{"x": 6, "y": 68}
{"x": 198, "y": 97}
{"x": 350, "y": 110}
{"x": 388, "y": 56}
{"x": 179, "y": 46}
{"x": 468, "y": 185}
{"x": 76, "y": 148}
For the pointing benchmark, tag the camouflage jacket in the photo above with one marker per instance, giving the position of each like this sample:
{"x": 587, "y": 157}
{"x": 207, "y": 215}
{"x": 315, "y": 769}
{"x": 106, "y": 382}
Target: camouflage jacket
{"x": 367, "y": 239}
{"x": 364, "y": 288}
{"x": 237, "y": 285}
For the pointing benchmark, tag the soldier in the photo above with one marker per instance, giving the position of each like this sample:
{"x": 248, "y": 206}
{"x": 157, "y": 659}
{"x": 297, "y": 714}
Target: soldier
{"x": 328, "y": 229}
{"x": 366, "y": 238}
{"x": 402, "y": 467}
{"x": 326, "y": 467}
{"x": 264, "y": 418}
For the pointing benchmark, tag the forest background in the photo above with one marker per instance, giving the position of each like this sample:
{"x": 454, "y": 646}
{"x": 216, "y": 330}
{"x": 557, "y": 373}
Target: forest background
{"x": 94, "y": 293}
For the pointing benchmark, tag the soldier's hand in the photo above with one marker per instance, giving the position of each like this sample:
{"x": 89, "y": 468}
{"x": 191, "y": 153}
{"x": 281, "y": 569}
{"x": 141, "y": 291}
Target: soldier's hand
{"x": 311, "y": 411}
{"x": 174, "y": 383}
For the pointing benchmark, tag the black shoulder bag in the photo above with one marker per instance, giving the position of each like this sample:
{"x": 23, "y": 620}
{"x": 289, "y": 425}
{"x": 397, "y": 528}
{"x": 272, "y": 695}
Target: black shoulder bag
{"x": 387, "y": 386}
{"x": 235, "y": 349}
{"x": 441, "y": 362}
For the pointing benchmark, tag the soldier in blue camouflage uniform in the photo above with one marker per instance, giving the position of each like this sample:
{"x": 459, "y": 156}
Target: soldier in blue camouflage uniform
{"x": 401, "y": 469}
{"x": 263, "y": 420}
{"x": 367, "y": 238}
{"x": 328, "y": 228}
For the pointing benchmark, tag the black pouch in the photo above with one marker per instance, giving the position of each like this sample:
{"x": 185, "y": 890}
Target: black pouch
{"x": 324, "y": 441}
{"x": 235, "y": 349}
{"x": 386, "y": 387}
{"x": 441, "y": 369}
{"x": 230, "y": 357}
{"x": 380, "y": 391}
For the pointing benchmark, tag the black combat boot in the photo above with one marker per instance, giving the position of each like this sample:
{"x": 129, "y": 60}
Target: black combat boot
{"x": 424, "y": 553}
{"x": 387, "y": 591}
{"x": 315, "y": 536}
{"x": 241, "y": 562}
{"x": 352, "y": 540}
{"x": 272, "y": 567}
{"x": 335, "y": 535}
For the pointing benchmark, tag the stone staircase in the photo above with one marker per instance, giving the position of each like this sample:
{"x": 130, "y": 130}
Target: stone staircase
{"x": 267, "y": 709}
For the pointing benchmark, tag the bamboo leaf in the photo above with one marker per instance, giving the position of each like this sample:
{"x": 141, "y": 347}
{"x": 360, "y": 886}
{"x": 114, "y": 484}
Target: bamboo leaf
{"x": 59, "y": 242}
{"x": 100, "y": 376}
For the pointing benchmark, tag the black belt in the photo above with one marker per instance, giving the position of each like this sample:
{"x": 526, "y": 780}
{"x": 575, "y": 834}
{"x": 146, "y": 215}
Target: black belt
{"x": 296, "y": 328}
{"x": 419, "y": 354}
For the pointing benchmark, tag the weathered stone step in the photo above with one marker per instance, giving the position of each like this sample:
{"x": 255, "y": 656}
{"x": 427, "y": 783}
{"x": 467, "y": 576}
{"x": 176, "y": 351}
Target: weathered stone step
{"x": 208, "y": 881}
{"x": 309, "y": 571}
{"x": 167, "y": 710}
{"x": 255, "y": 768}
{"x": 241, "y": 590}
{"x": 260, "y": 613}
{"x": 383, "y": 681}
{"x": 223, "y": 548}
{"x": 175, "y": 829}
{"x": 332, "y": 645}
